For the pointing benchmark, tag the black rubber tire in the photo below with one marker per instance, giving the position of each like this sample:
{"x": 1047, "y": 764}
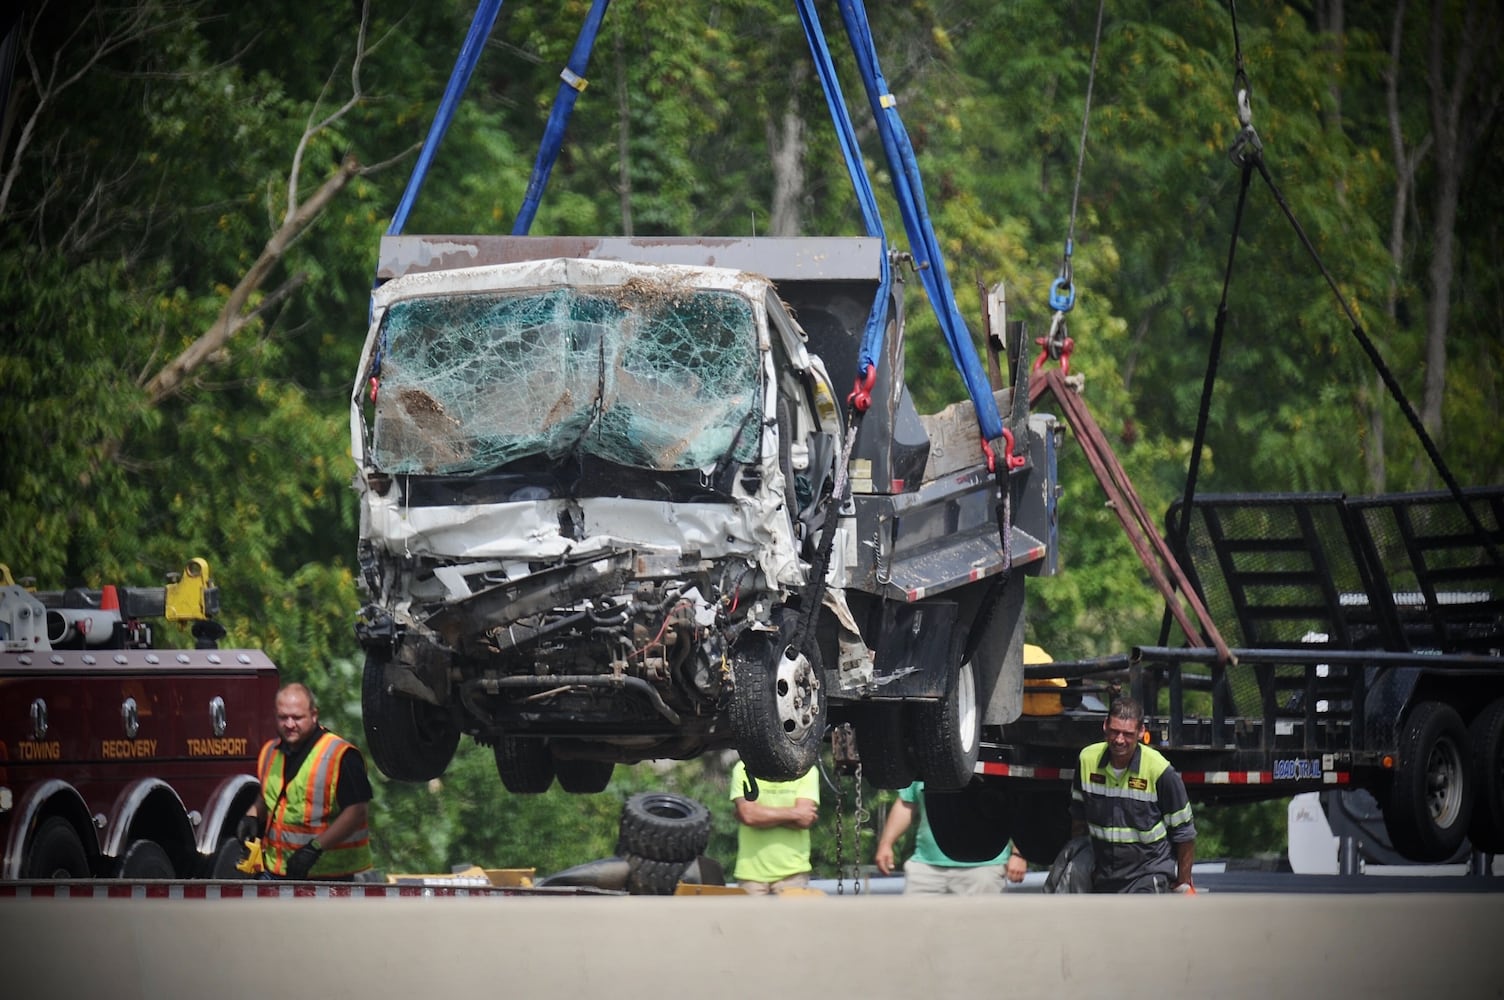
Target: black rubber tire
{"x": 525, "y": 766}
{"x": 407, "y": 739}
{"x": 882, "y": 744}
{"x": 145, "y": 859}
{"x": 231, "y": 850}
{"x": 778, "y": 709}
{"x": 56, "y": 851}
{"x": 583, "y": 777}
{"x": 1430, "y": 801}
{"x": 1485, "y": 739}
{"x": 947, "y": 734}
{"x": 971, "y": 825}
{"x": 664, "y": 826}
{"x": 648, "y": 877}
{"x": 1041, "y": 822}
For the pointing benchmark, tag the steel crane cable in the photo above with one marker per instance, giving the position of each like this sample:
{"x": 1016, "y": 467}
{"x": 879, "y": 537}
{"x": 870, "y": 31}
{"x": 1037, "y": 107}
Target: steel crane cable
{"x": 1057, "y": 345}
{"x": 1248, "y": 151}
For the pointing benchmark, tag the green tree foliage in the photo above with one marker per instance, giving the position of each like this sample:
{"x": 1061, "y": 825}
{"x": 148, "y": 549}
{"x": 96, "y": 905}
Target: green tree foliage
{"x": 153, "y": 149}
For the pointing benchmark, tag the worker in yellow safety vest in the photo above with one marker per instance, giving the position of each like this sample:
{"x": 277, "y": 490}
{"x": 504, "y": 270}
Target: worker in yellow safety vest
{"x": 315, "y": 795}
{"x": 1133, "y": 804}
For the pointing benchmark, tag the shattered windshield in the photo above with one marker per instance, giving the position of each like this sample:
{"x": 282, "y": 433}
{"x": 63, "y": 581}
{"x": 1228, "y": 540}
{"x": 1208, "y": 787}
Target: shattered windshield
{"x": 645, "y": 374}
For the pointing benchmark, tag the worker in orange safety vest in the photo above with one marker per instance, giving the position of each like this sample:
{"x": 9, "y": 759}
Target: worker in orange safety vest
{"x": 313, "y": 811}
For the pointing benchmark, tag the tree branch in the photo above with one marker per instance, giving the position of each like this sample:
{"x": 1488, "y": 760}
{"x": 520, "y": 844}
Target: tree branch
{"x": 169, "y": 380}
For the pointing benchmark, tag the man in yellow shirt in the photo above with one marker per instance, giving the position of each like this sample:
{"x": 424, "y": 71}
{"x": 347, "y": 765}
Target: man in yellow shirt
{"x": 772, "y": 839}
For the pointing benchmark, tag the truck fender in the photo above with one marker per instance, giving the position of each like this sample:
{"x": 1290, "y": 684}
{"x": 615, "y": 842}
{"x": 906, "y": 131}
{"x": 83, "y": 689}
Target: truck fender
{"x": 150, "y": 807}
{"x": 223, "y": 811}
{"x": 53, "y": 797}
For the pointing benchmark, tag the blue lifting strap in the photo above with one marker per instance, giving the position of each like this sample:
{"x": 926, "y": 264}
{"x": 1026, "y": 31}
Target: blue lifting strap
{"x": 570, "y": 87}
{"x": 912, "y": 206}
{"x": 877, "y": 319}
{"x": 459, "y": 79}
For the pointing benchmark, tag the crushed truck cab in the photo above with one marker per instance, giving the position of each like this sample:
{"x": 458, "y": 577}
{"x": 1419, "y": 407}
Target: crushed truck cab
{"x": 595, "y": 476}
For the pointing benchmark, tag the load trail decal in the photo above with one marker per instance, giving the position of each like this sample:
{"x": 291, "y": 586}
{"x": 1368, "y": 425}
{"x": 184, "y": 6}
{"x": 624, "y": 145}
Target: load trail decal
{"x": 1292, "y": 769}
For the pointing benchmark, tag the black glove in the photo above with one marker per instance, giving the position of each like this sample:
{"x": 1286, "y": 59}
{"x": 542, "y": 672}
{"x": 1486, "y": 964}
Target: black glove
{"x": 303, "y": 860}
{"x": 249, "y": 828}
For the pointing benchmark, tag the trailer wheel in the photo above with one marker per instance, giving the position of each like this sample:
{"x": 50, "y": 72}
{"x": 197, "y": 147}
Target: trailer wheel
{"x": 56, "y": 852}
{"x": 409, "y": 740}
{"x": 778, "y": 709}
{"x": 525, "y": 766}
{"x": 583, "y": 777}
{"x": 664, "y": 826}
{"x": 1431, "y": 797}
{"x": 145, "y": 859}
{"x": 1486, "y": 741}
{"x": 947, "y": 734}
{"x": 882, "y": 745}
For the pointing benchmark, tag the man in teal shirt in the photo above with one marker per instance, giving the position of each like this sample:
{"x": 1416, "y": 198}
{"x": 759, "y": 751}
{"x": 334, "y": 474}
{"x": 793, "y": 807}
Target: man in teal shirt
{"x": 772, "y": 838}
{"x": 928, "y": 870}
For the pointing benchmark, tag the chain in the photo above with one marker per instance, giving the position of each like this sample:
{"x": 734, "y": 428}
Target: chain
{"x": 840, "y": 841}
{"x": 859, "y": 822}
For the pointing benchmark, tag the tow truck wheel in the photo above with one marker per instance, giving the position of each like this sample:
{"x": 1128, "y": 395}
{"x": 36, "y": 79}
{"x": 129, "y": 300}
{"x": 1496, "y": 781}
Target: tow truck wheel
{"x": 1486, "y": 741}
{"x": 409, "y": 740}
{"x": 525, "y": 766}
{"x": 145, "y": 859}
{"x": 227, "y": 858}
{"x": 583, "y": 777}
{"x": 778, "y": 709}
{"x": 1430, "y": 802}
{"x": 56, "y": 852}
{"x": 882, "y": 745}
{"x": 947, "y": 734}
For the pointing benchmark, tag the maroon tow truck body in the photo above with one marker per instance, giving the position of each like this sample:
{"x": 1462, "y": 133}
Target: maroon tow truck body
{"x": 119, "y": 757}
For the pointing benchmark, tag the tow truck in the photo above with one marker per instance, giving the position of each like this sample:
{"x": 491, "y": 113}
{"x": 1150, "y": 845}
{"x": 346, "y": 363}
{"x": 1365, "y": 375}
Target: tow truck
{"x": 124, "y": 753}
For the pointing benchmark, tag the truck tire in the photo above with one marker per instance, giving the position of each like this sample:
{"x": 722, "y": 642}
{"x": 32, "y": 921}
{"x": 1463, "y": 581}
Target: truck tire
{"x": 947, "y": 734}
{"x": 408, "y": 740}
{"x": 583, "y": 777}
{"x": 223, "y": 865}
{"x": 664, "y": 826}
{"x": 647, "y": 877}
{"x": 971, "y": 825}
{"x": 56, "y": 852}
{"x": 1430, "y": 801}
{"x": 882, "y": 746}
{"x": 145, "y": 859}
{"x": 1485, "y": 739}
{"x": 525, "y": 766}
{"x": 778, "y": 708}
{"x": 1041, "y": 822}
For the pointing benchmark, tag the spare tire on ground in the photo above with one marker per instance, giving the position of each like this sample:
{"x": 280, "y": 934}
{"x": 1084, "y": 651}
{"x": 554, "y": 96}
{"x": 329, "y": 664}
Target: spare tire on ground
{"x": 664, "y": 826}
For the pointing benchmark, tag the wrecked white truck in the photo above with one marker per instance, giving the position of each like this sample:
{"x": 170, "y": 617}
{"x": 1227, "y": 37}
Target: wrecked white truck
{"x": 596, "y": 479}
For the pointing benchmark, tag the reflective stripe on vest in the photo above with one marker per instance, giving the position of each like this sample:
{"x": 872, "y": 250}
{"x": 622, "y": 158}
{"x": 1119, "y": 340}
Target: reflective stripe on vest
{"x": 1138, "y": 789}
{"x": 310, "y": 804}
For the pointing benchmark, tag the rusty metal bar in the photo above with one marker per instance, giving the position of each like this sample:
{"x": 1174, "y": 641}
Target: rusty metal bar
{"x": 1152, "y": 550}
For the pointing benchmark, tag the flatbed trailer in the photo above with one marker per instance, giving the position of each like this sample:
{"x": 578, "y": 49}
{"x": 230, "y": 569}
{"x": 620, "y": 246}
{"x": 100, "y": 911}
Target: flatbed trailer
{"x": 1367, "y": 652}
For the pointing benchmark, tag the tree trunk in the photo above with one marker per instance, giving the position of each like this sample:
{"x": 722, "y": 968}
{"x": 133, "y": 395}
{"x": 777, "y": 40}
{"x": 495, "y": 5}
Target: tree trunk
{"x": 623, "y": 140}
{"x": 786, "y": 145}
{"x": 1456, "y": 135}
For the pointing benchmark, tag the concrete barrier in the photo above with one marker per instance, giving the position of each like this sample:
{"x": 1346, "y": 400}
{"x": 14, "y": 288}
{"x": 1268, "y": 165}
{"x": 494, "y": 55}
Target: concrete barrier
{"x": 623, "y": 948}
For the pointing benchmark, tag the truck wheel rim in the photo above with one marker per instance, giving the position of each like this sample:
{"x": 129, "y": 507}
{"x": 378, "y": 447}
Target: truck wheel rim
{"x": 795, "y": 690}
